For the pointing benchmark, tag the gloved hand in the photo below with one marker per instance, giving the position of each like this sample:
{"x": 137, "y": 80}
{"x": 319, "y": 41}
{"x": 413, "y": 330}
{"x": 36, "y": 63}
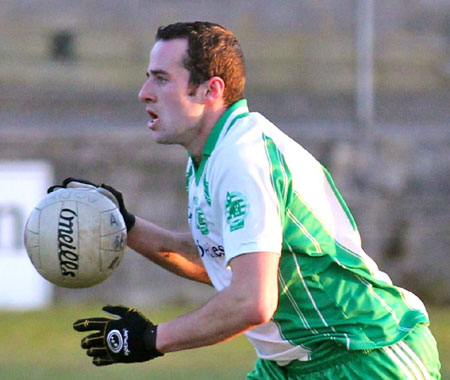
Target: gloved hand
{"x": 109, "y": 191}
{"x": 128, "y": 339}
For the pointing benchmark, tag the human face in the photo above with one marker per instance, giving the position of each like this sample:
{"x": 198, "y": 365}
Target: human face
{"x": 175, "y": 113}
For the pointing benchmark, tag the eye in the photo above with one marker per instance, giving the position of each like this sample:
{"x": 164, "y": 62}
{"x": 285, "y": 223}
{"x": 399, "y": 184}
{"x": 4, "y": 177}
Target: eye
{"x": 160, "y": 79}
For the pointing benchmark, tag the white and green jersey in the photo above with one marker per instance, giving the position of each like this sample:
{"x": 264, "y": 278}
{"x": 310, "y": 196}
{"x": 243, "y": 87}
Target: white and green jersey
{"x": 258, "y": 190}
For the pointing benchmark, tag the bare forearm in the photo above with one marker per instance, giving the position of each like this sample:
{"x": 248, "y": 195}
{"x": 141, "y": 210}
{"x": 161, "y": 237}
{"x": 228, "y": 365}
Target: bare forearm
{"x": 174, "y": 251}
{"x": 249, "y": 300}
{"x": 222, "y": 318}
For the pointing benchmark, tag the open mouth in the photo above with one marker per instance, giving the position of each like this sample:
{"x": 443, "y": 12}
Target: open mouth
{"x": 153, "y": 117}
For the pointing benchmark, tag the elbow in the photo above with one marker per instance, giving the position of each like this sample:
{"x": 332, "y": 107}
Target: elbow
{"x": 258, "y": 312}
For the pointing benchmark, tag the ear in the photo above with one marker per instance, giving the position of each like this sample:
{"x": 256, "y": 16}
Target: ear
{"x": 213, "y": 90}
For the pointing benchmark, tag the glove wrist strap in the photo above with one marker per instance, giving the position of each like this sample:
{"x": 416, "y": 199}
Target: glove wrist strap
{"x": 150, "y": 340}
{"x": 130, "y": 220}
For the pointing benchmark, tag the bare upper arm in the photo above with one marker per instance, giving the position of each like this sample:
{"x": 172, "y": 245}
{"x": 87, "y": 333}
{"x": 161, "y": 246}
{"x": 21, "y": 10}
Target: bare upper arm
{"x": 255, "y": 281}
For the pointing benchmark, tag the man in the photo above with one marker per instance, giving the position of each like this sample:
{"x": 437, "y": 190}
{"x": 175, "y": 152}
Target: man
{"x": 269, "y": 230}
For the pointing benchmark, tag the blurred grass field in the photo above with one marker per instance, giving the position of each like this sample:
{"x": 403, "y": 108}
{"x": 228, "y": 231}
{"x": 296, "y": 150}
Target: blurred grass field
{"x": 41, "y": 345}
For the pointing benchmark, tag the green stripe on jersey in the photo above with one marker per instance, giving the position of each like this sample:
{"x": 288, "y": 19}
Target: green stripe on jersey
{"x": 281, "y": 177}
{"x": 340, "y": 198}
{"x": 189, "y": 174}
{"x": 327, "y": 292}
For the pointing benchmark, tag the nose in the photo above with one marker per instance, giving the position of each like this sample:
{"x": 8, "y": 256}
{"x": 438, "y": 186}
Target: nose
{"x": 145, "y": 94}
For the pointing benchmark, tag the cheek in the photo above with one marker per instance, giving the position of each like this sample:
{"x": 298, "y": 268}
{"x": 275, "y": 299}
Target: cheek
{"x": 174, "y": 103}
{"x": 182, "y": 108}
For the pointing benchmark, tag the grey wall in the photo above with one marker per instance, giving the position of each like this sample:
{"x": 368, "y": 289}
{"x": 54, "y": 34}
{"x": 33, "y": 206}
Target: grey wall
{"x": 397, "y": 187}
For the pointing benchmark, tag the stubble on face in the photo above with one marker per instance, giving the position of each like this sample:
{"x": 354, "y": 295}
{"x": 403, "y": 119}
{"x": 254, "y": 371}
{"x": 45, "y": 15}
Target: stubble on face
{"x": 173, "y": 106}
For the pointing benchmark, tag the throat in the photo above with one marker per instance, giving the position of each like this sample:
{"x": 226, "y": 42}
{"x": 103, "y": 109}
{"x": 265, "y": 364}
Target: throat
{"x": 196, "y": 161}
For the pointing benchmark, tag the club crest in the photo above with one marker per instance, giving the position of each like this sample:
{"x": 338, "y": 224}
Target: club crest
{"x": 236, "y": 208}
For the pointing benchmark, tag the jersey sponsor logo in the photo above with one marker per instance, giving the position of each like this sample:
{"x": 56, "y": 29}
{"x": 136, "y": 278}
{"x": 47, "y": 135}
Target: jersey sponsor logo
{"x": 200, "y": 221}
{"x": 236, "y": 209}
{"x": 210, "y": 250}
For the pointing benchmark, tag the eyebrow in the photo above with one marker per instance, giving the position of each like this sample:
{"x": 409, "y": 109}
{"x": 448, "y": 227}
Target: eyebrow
{"x": 157, "y": 72}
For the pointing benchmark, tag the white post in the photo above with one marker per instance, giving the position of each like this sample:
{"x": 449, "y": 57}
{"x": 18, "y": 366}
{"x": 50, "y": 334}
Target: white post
{"x": 364, "y": 70}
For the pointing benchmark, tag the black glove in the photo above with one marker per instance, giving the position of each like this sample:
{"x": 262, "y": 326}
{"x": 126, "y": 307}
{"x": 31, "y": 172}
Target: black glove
{"x": 113, "y": 194}
{"x": 129, "y": 339}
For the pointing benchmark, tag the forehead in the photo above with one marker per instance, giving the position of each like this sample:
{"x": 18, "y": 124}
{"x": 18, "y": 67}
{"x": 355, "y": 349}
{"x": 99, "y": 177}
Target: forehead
{"x": 167, "y": 55}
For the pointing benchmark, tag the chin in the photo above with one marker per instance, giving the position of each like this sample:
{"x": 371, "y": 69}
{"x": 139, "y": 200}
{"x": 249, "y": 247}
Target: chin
{"x": 164, "y": 140}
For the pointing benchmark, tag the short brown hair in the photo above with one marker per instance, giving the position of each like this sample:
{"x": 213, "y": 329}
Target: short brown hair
{"x": 212, "y": 51}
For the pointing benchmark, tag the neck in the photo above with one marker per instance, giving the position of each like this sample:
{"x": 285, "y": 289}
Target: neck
{"x": 211, "y": 116}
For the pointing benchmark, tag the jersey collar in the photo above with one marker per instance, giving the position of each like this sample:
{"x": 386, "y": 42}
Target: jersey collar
{"x": 236, "y": 110}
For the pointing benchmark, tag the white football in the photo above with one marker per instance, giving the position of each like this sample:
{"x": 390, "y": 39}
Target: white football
{"x": 75, "y": 237}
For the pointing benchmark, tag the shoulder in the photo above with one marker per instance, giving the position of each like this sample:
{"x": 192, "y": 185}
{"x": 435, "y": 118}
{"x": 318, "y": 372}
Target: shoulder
{"x": 244, "y": 138}
{"x": 242, "y": 158}
{"x": 255, "y": 148}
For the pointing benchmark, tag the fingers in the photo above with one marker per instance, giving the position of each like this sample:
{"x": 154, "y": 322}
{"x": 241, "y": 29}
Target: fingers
{"x": 109, "y": 194}
{"x": 96, "y": 352}
{"x": 103, "y": 360}
{"x": 90, "y": 324}
{"x": 118, "y": 311}
{"x": 95, "y": 346}
{"x": 75, "y": 182}
{"x": 112, "y": 190}
{"x": 93, "y": 341}
{"x": 71, "y": 183}
{"x": 78, "y": 185}
{"x": 53, "y": 188}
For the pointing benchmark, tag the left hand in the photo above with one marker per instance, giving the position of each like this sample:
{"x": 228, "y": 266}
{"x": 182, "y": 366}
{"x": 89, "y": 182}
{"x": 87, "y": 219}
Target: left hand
{"x": 110, "y": 192}
{"x": 128, "y": 339}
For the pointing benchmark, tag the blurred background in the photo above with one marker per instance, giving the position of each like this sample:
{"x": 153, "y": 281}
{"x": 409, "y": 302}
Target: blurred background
{"x": 364, "y": 86}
